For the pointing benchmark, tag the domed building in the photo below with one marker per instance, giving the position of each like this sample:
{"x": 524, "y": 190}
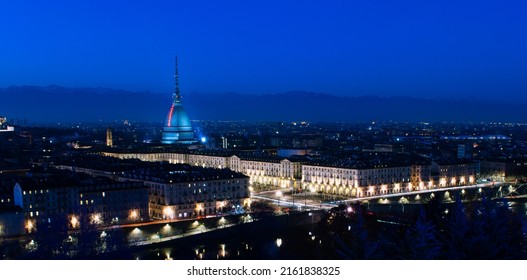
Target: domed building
{"x": 177, "y": 128}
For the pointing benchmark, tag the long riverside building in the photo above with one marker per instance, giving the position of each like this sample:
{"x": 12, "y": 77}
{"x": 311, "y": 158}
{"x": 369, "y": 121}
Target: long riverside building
{"x": 353, "y": 179}
{"x": 284, "y": 173}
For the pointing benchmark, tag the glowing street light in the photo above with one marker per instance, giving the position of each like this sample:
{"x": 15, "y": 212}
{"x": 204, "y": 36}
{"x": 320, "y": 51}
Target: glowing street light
{"x": 222, "y": 251}
{"x": 278, "y": 242}
{"x": 133, "y": 215}
{"x": 95, "y": 219}
{"x": 30, "y": 226}
{"x": 168, "y": 212}
{"x": 167, "y": 254}
{"x": 74, "y": 221}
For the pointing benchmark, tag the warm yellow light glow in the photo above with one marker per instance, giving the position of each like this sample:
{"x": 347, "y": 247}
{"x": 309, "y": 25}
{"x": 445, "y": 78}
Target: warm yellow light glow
{"x": 133, "y": 215}
{"x": 471, "y": 179}
{"x": 29, "y": 226}
{"x": 96, "y": 218}
{"x": 442, "y": 182}
{"x": 74, "y": 221}
{"x": 222, "y": 251}
{"x": 168, "y": 212}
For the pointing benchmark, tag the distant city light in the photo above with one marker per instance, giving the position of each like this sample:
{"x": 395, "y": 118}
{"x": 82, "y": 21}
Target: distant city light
{"x": 203, "y": 139}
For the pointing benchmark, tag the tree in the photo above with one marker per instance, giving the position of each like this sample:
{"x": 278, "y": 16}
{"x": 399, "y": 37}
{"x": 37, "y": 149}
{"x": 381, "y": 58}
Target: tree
{"x": 420, "y": 242}
{"x": 456, "y": 232}
{"x": 495, "y": 231}
{"x": 362, "y": 247}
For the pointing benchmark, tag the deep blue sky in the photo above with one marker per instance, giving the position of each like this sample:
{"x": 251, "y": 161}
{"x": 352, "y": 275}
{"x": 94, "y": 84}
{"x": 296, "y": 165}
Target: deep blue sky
{"x": 387, "y": 48}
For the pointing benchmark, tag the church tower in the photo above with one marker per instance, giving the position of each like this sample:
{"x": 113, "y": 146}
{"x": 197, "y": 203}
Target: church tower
{"x": 109, "y": 137}
{"x": 177, "y": 128}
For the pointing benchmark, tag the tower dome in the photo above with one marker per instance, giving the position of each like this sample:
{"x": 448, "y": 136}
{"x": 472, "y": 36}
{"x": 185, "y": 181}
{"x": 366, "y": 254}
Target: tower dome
{"x": 177, "y": 128}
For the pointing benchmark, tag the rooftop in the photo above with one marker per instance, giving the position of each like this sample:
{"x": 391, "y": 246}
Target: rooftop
{"x": 150, "y": 171}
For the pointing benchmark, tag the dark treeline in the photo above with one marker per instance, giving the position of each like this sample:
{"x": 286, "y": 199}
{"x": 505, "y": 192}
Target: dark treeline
{"x": 483, "y": 229}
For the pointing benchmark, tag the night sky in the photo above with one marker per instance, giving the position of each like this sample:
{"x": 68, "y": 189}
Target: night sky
{"x": 386, "y": 48}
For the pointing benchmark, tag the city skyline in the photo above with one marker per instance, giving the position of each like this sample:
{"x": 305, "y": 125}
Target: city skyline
{"x": 236, "y": 131}
{"x": 426, "y": 50}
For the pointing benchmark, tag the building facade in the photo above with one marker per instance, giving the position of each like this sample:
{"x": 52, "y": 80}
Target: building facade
{"x": 277, "y": 172}
{"x": 354, "y": 181}
{"x": 98, "y": 201}
{"x": 178, "y": 191}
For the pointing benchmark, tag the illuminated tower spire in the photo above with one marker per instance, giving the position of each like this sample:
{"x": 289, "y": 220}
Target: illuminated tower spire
{"x": 177, "y": 128}
{"x": 177, "y": 95}
{"x": 109, "y": 137}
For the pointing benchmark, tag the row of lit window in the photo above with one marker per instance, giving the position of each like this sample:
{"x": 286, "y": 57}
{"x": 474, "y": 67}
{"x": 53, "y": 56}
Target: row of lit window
{"x": 87, "y": 202}
{"x": 35, "y": 192}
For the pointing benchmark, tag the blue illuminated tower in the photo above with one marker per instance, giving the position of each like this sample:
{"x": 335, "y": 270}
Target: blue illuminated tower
{"x": 177, "y": 128}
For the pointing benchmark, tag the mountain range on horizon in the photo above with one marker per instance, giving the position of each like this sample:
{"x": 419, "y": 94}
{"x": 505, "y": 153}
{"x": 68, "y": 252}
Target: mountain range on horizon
{"x": 52, "y": 104}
